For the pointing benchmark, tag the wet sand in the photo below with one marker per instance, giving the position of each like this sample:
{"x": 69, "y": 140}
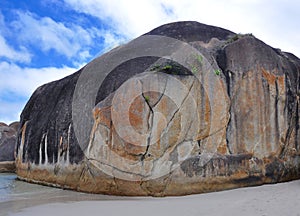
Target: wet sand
{"x": 24, "y": 199}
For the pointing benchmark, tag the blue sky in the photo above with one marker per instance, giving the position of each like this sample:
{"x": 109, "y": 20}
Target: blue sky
{"x": 45, "y": 40}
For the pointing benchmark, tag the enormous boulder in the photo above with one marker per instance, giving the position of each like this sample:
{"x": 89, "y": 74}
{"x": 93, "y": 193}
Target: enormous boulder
{"x": 186, "y": 108}
{"x": 8, "y": 139}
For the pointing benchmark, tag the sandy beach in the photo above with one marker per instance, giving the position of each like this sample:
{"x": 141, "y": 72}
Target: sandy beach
{"x": 27, "y": 199}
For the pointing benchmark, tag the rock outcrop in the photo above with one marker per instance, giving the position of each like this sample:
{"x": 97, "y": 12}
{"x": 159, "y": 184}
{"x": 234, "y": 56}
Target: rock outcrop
{"x": 8, "y": 139}
{"x": 186, "y": 108}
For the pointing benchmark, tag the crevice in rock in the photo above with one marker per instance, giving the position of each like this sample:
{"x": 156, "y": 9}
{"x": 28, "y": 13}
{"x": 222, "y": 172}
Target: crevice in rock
{"x": 221, "y": 60}
{"x": 116, "y": 168}
{"x": 199, "y": 144}
{"x": 215, "y": 132}
{"x": 276, "y": 112}
{"x": 189, "y": 127}
{"x": 228, "y": 131}
{"x": 174, "y": 114}
{"x": 291, "y": 110}
{"x": 87, "y": 170}
{"x": 161, "y": 96}
{"x": 111, "y": 134}
{"x": 297, "y": 125}
{"x": 150, "y": 126}
{"x": 230, "y": 122}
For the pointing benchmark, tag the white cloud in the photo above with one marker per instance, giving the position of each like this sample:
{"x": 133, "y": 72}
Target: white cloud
{"x": 275, "y": 22}
{"x": 10, "y": 111}
{"x": 19, "y": 83}
{"x": 8, "y": 52}
{"x": 129, "y": 18}
{"x": 23, "y": 81}
{"x": 47, "y": 34}
{"x": 111, "y": 40}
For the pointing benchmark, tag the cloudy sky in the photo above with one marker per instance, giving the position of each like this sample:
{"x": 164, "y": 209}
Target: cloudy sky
{"x": 45, "y": 40}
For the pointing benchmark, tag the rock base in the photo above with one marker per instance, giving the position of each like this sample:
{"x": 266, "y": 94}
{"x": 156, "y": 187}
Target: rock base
{"x": 238, "y": 171}
{"x": 7, "y": 166}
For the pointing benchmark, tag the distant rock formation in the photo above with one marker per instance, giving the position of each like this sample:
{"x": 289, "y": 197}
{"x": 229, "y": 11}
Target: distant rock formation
{"x": 186, "y": 108}
{"x": 8, "y": 139}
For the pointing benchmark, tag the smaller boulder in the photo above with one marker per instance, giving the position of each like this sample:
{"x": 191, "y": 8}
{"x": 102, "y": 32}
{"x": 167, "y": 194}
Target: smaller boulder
{"x": 8, "y": 137}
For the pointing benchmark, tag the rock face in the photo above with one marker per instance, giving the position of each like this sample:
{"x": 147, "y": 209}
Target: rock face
{"x": 8, "y": 139}
{"x": 186, "y": 108}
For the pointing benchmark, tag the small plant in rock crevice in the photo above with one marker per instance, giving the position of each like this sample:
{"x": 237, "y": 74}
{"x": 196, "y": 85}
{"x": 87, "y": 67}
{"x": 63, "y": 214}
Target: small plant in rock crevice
{"x": 199, "y": 58}
{"x": 194, "y": 69}
{"x": 237, "y": 37}
{"x": 147, "y": 98}
{"x": 218, "y": 72}
{"x": 166, "y": 67}
{"x": 155, "y": 67}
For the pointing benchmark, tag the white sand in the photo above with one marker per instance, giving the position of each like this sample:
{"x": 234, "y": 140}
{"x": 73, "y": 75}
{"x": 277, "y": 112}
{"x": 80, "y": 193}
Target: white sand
{"x": 281, "y": 199}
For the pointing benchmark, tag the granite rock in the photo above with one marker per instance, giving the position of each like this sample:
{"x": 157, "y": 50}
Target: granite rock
{"x": 8, "y": 139}
{"x": 188, "y": 108}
